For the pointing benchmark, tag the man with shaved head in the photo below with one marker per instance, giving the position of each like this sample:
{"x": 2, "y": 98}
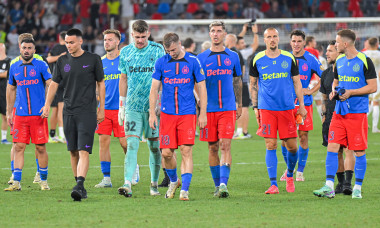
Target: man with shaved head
{"x": 274, "y": 73}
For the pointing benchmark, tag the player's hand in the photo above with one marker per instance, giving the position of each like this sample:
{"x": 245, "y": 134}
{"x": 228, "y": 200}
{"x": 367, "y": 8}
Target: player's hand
{"x": 238, "y": 112}
{"x": 257, "y": 114}
{"x": 121, "y": 115}
{"x": 100, "y": 116}
{"x": 153, "y": 121}
{"x": 45, "y": 112}
{"x": 306, "y": 91}
{"x": 10, "y": 120}
{"x": 345, "y": 96}
{"x": 302, "y": 111}
{"x": 202, "y": 120}
{"x": 254, "y": 28}
{"x": 332, "y": 95}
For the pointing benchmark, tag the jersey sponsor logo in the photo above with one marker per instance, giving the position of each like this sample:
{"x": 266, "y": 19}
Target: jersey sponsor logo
{"x": 111, "y": 76}
{"x": 264, "y": 67}
{"x": 356, "y": 68}
{"x": 275, "y": 75}
{"x": 67, "y": 68}
{"x": 218, "y": 72}
{"x": 177, "y": 80}
{"x": 303, "y": 77}
{"x": 207, "y": 65}
{"x": 227, "y": 62}
{"x": 32, "y": 73}
{"x": 27, "y": 82}
{"x": 284, "y": 64}
{"x": 140, "y": 69}
{"x": 166, "y": 71}
{"x": 185, "y": 70}
{"x": 344, "y": 78}
{"x": 305, "y": 67}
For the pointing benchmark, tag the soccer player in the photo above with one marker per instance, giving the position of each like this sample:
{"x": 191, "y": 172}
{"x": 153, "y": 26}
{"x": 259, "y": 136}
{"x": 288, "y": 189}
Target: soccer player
{"x": 374, "y": 54}
{"x": 274, "y": 75}
{"x": 27, "y": 78}
{"x": 57, "y": 104}
{"x": 111, "y": 80}
{"x": 4, "y": 67}
{"x": 308, "y": 65}
{"x": 137, "y": 65}
{"x": 79, "y": 72}
{"x": 224, "y": 104}
{"x": 354, "y": 79}
{"x": 346, "y": 166}
{"x": 177, "y": 72}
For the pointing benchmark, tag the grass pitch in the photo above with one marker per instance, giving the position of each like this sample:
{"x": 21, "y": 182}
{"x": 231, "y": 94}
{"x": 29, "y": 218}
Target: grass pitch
{"x": 247, "y": 205}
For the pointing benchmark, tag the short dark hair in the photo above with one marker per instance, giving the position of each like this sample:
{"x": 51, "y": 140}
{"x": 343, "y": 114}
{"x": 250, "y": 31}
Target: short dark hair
{"x": 188, "y": 42}
{"x": 332, "y": 42}
{"x": 239, "y": 38}
{"x": 62, "y": 34}
{"x": 74, "y": 32}
{"x": 113, "y": 31}
{"x": 298, "y": 33}
{"x": 28, "y": 41}
{"x": 140, "y": 26}
{"x": 170, "y": 38}
{"x": 309, "y": 39}
{"x": 347, "y": 33}
{"x": 217, "y": 23}
{"x": 373, "y": 41}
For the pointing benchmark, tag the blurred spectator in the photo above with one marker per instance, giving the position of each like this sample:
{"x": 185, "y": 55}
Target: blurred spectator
{"x": 99, "y": 49}
{"x": 114, "y": 11}
{"x": 219, "y": 12}
{"x": 201, "y": 13}
{"x": 235, "y": 11}
{"x": 12, "y": 38}
{"x": 274, "y": 11}
{"x": 22, "y": 26}
{"x": 104, "y": 14}
{"x": 3, "y": 34}
{"x": 205, "y": 46}
{"x": 311, "y": 44}
{"x": 15, "y": 14}
{"x": 95, "y": 13}
{"x": 251, "y": 12}
{"x": 83, "y": 7}
{"x": 50, "y": 18}
{"x": 3, "y": 12}
{"x": 127, "y": 13}
{"x": 30, "y": 21}
{"x": 89, "y": 39}
{"x": 189, "y": 45}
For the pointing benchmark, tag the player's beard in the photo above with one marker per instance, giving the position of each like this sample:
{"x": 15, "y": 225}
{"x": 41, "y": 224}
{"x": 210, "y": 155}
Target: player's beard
{"x": 27, "y": 58}
{"x": 273, "y": 48}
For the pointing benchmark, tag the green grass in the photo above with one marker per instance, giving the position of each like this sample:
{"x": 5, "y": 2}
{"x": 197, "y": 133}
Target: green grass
{"x": 247, "y": 206}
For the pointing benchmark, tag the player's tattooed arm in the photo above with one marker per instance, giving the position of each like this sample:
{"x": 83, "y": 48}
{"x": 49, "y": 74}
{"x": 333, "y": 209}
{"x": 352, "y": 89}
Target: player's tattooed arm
{"x": 154, "y": 89}
{"x": 254, "y": 91}
{"x": 238, "y": 88}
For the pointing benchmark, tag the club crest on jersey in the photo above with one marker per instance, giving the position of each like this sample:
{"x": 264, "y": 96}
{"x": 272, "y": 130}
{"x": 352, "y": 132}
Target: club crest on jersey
{"x": 32, "y": 73}
{"x": 67, "y": 68}
{"x": 185, "y": 70}
{"x": 305, "y": 67}
{"x": 356, "y": 68}
{"x": 284, "y": 64}
{"x": 227, "y": 62}
{"x": 202, "y": 72}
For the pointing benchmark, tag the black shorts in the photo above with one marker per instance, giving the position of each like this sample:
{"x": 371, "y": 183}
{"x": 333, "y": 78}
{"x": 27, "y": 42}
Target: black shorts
{"x": 79, "y": 131}
{"x": 325, "y": 130}
{"x": 245, "y": 96}
{"x": 58, "y": 97}
{"x": 3, "y": 98}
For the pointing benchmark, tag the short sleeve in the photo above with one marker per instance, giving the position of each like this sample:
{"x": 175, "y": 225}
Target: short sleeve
{"x": 57, "y": 76}
{"x": 99, "y": 73}
{"x": 237, "y": 67}
{"x": 199, "y": 74}
{"x": 370, "y": 72}
{"x": 317, "y": 67}
{"x": 122, "y": 62}
{"x": 11, "y": 80}
{"x": 253, "y": 69}
{"x": 157, "y": 73}
{"x": 336, "y": 75}
{"x": 322, "y": 89}
{"x": 45, "y": 72}
{"x": 294, "y": 68}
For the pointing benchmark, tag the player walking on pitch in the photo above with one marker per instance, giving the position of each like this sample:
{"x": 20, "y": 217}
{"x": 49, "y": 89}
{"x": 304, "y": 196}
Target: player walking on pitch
{"x": 80, "y": 72}
{"x": 274, "y": 73}
{"x": 137, "y": 65}
{"x": 224, "y": 93}
{"x": 355, "y": 78}
{"x": 111, "y": 80}
{"x": 177, "y": 72}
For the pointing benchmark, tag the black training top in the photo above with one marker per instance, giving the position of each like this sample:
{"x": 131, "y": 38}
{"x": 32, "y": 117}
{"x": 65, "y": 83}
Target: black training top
{"x": 327, "y": 80}
{"x": 79, "y": 76}
{"x": 4, "y": 66}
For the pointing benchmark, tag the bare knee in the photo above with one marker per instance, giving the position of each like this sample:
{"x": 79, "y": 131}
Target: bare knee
{"x": 167, "y": 154}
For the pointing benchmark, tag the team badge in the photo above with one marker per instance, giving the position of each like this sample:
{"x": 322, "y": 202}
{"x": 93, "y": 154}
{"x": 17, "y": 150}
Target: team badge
{"x": 202, "y": 72}
{"x": 4, "y": 66}
{"x": 356, "y": 68}
{"x": 190, "y": 133}
{"x": 67, "y": 68}
{"x": 284, "y": 64}
{"x": 321, "y": 67}
{"x": 305, "y": 67}
{"x": 185, "y": 70}
{"x": 32, "y": 73}
{"x": 227, "y": 62}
